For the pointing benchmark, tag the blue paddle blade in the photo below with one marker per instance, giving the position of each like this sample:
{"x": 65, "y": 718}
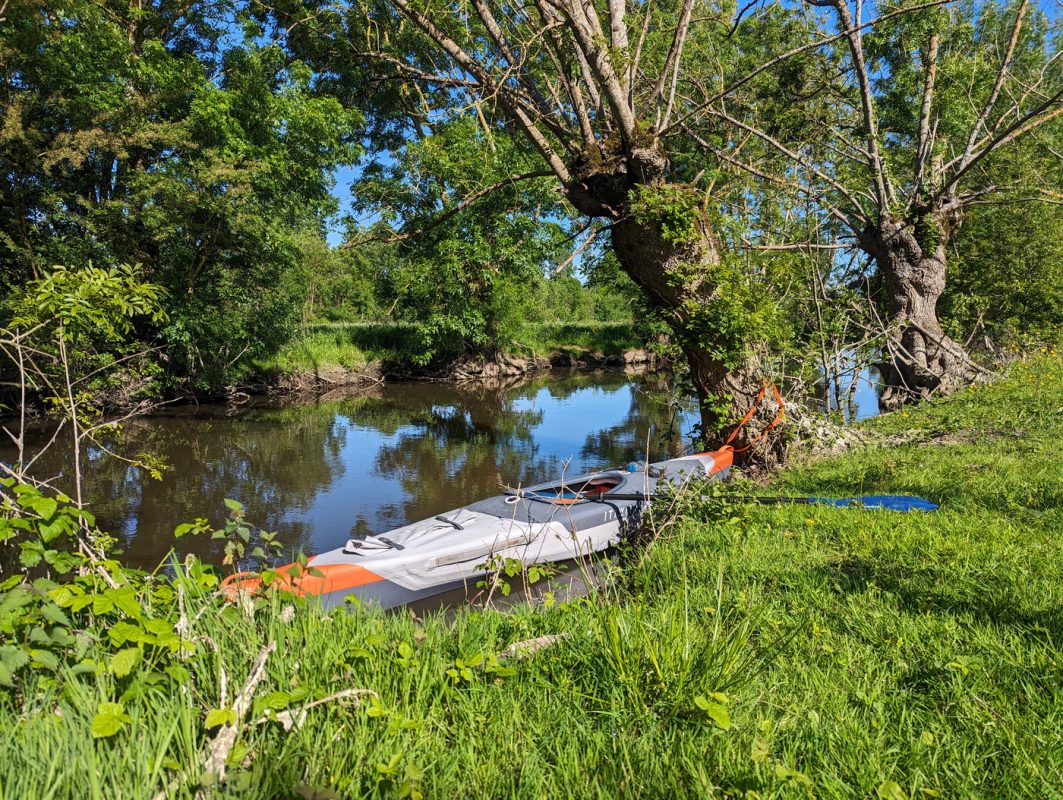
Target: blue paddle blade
{"x": 889, "y": 502}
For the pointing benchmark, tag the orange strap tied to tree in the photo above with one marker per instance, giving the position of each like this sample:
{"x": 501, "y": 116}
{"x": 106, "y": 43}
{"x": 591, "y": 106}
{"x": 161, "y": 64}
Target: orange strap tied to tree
{"x": 749, "y": 416}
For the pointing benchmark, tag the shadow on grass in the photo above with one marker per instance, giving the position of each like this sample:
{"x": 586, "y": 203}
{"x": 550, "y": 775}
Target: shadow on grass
{"x": 984, "y": 598}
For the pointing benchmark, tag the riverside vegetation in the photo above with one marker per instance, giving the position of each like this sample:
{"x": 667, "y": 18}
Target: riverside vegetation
{"x": 763, "y": 184}
{"x": 747, "y": 651}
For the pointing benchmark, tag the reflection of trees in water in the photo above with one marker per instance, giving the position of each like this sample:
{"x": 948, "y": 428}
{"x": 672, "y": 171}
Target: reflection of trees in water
{"x": 467, "y": 444}
{"x": 271, "y": 465}
{"x": 462, "y": 445}
{"x": 651, "y": 420}
{"x": 442, "y": 445}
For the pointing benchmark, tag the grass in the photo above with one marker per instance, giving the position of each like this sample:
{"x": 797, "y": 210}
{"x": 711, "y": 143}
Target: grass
{"x": 752, "y": 652}
{"x": 606, "y": 338}
{"x": 331, "y": 347}
{"x": 353, "y": 346}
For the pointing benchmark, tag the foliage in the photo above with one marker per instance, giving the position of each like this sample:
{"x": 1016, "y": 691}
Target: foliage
{"x": 675, "y": 209}
{"x": 79, "y": 325}
{"x": 167, "y": 136}
{"x": 1006, "y": 272}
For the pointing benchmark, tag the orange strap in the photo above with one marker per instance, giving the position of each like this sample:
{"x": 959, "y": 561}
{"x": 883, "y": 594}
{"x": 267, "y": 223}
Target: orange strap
{"x": 749, "y": 416}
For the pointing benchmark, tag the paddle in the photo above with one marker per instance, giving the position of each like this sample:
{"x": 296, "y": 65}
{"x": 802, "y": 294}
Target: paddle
{"x": 888, "y": 502}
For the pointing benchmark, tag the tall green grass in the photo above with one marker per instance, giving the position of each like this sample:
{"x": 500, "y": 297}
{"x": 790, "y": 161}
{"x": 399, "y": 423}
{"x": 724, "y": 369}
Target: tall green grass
{"x": 325, "y": 347}
{"x": 766, "y": 651}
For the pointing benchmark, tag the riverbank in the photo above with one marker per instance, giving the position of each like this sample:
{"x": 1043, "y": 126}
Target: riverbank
{"x": 780, "y": 651}
{"x": 338, "y": 354}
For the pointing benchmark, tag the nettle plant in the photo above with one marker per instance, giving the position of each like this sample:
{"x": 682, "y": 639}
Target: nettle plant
{"x": 500, "y": 571}
{"x": 61, "y": 593}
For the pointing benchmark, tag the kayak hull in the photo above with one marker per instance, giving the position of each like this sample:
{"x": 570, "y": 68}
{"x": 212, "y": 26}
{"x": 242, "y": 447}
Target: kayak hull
{"x": 565, "y": 521}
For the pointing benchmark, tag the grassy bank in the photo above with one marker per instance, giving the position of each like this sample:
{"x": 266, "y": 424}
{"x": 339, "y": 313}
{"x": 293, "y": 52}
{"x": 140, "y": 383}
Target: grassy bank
{"x": 751, "y": 652}
{"x": 328, "y": 348}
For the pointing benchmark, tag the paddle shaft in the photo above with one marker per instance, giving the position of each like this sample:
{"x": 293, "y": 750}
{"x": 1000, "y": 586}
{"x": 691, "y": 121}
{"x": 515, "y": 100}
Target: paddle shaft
{"x": 886, "y": 502}
{"x": 731, "y": 498}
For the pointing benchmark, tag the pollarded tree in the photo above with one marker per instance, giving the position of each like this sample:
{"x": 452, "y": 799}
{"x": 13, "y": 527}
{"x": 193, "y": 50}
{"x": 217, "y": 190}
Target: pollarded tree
{"x": 925, "y": 108}
{"x": 595, "y": 91}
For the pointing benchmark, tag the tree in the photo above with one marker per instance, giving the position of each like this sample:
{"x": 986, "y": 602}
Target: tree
{"x": 464, "y": 276}
{"x": 594, "y": 91}
{"x": 161, "y": 133}
{"x": 926, "y": 106}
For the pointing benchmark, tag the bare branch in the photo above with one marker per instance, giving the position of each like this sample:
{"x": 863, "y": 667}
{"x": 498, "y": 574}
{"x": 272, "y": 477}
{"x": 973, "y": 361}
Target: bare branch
{"x": 678, "y": 39}
{"x": 1002, "y": 75}
{"x": 618, "y": 36}
{"x": 470, "y": 65}
{"x": 633, "y": 67}
{"x": 925, "y": 144}
{"x": 799, "y": 159}
{"x": 790, "y": 54}
{"x": 595, "y": 230}
{"x": 453, "y": 210}
{"x": 583, "y": 20}
{"x": 680, "y": 42}
{"x": 805, "y": 246}
{"x": 867, "y": 103}
{"x": 834, "y": 211}
{"x": 1046, "y": 112}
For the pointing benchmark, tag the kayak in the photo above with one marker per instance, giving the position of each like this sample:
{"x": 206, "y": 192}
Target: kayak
{"x": 570, "y": 518}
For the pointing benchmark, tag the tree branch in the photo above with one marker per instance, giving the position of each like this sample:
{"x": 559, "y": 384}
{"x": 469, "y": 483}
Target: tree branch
{"x": 925, "y": 145}
{"x": 679, "y": 123}
{"x": 471, "y": 66}
{"x": 453, "y": 210}
{"x": 1002, "y": 75}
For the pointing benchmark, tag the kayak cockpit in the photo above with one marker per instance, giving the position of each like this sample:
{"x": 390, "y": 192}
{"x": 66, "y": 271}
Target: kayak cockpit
{"x": 585, "y": 488}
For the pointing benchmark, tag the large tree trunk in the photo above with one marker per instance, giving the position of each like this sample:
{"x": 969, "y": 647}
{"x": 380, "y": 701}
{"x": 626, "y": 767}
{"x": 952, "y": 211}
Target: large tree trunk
{"x": 921, "y": 359}
{"x": 675, "y": 274}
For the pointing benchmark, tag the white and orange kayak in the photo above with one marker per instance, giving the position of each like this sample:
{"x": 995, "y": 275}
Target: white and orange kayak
{"x": 552, "y": 522}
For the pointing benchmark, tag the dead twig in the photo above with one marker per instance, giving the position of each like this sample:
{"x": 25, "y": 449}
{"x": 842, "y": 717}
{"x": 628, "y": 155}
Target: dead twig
{"x": 222, "y": 743}
{"x": 294, "y": 718}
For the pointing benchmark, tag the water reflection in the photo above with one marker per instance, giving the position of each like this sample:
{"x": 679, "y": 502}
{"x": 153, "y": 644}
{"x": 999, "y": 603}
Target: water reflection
{"x": 399, "y": 453}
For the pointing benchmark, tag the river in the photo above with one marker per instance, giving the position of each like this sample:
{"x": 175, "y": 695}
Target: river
{"x": 316, "y": 472}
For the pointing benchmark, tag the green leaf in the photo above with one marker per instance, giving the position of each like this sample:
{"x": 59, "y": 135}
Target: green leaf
{"x": 234, "y": 505}
{"x": 44, "y": 658}
{"x": 278, "y": 701}
{"x": 55, "y": 615}
{"x": 220, "y": 716}
{"x": 123, "y": 662}
{"x": 891, "y": 790}
{"x": 101, "y": 604}
{"x": 14, "y": 658}
{"x": 109, "y": 719}
{"x": 786, "y": 773}
{"x": 6, "y": 678}
{"x": 45, "y": 506}
{"x": 127, "y": 602}
{"x": 715, "y": 711}
{"x": 50, "y": 531}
